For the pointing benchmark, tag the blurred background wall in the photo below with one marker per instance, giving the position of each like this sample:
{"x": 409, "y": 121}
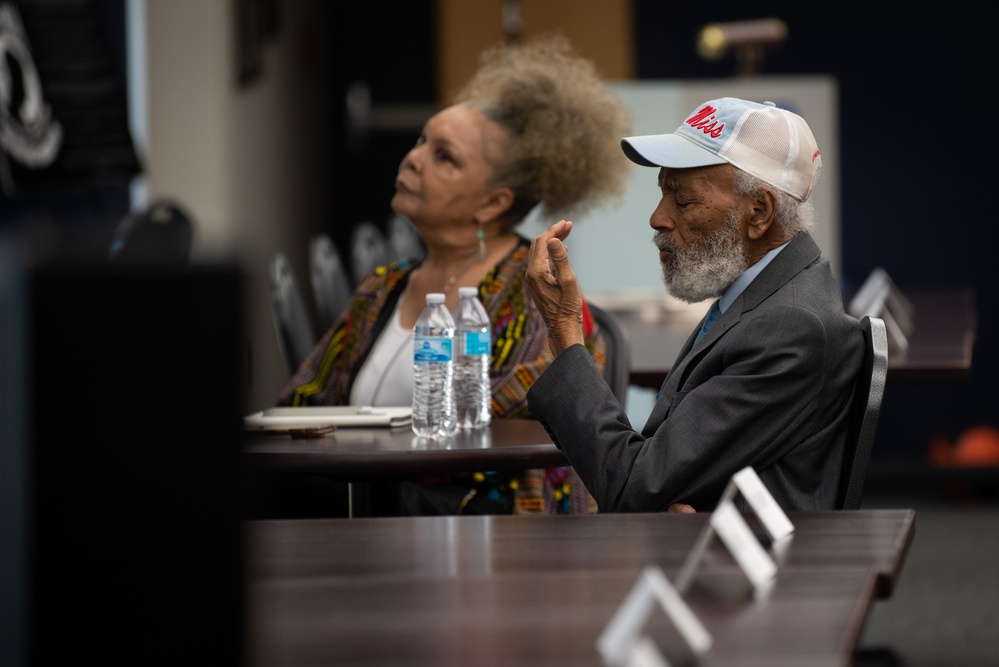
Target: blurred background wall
{"x": 240, "y": 132}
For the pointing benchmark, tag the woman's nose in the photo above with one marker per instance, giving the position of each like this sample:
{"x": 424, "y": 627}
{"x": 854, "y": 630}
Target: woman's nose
{"x": 413, "y": 159}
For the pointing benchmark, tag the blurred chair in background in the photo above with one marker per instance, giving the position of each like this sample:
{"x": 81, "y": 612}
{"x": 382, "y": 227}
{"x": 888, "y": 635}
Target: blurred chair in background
{"x": 403, "y": 241}
{"x": 292, "y": 323}
{"x": 160, "y": 234}
{"x": 617, "y": 368}
{"x": 330, "y": 285}
{"x": 368, "y": 249}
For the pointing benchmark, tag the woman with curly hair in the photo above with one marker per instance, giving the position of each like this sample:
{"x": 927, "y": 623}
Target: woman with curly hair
{"x": 535, "y": 127}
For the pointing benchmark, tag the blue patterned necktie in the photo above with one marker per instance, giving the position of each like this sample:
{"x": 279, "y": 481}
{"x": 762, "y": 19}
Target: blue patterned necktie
{"x": 713, "y": 314}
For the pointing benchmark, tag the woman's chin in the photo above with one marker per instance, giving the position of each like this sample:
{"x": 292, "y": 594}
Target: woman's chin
{"x": 398, "y": 203}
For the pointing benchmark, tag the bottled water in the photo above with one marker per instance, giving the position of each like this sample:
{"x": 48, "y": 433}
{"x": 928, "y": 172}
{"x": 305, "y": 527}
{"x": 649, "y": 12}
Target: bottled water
{"x": 434, "y": 411}
{"x": 473, "y": 343}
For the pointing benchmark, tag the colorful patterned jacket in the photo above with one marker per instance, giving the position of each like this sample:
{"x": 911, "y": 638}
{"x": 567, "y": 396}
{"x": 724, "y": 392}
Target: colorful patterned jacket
{"x": 520, "y": 340}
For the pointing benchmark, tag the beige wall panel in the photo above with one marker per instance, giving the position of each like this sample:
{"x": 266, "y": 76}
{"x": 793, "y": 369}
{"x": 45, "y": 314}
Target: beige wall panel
{"x": 247, "y": 162}
{"x": 463, "y": 29}
{"x": 602, "y": 30}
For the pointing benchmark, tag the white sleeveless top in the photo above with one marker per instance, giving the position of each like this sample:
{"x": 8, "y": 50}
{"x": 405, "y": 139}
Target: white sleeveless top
{"x": 386, "y": 377}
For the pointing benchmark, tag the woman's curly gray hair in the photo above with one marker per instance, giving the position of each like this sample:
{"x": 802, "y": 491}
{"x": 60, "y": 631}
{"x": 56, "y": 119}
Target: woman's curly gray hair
{"x": 564, "y": 125}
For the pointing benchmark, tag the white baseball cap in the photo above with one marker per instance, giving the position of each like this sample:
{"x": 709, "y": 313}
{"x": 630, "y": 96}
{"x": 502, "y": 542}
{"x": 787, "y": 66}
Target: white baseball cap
{"x": 771, "y": 143}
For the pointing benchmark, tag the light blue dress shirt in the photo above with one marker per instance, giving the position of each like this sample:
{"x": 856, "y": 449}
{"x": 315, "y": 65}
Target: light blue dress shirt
{"x": 747, "y": 276}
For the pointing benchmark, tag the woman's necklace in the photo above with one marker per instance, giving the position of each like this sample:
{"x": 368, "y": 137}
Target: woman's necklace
{"x": 481, "y": 255}
{"x": 453, "y": 279}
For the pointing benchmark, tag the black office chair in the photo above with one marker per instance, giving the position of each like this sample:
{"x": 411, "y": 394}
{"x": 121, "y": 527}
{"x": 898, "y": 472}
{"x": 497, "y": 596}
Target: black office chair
{"x": 618, "y": 366}
{"x": 292, "y": 324}
{"x": 330, "y": 285}
{"x": 403, "y": 241}
{"x": 368, "y": 249}
{"x": 864, "y": 413}
{"x": 158, "y": 235}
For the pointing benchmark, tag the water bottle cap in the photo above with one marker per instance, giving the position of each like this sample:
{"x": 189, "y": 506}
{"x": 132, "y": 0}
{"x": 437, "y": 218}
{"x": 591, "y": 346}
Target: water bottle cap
{"x": 435, "y": 297}
{"x": 468, "y": 291}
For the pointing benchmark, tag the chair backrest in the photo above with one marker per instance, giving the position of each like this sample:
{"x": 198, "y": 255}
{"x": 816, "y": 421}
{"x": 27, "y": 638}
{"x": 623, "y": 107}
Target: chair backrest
{"x": 864, "y": 412}
{"x": 368, "y": 249}
{"x": 292, "y": 324}
{"x": 330, "y": 285}
{"x": 161, "y": 234}
{"x": 618, "y": 366}
{"x": 403, "y": 241}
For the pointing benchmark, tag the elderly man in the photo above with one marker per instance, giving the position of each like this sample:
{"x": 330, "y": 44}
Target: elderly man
{"x": 766, "y": 379}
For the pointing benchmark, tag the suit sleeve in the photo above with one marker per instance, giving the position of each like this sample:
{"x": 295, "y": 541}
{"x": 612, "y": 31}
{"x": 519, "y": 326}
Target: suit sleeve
{"x": 745, "y": 400}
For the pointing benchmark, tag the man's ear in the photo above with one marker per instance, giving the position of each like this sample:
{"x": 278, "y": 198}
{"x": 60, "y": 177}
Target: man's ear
{"x": 763, "y": 210}
{"x": 498, "y": 203}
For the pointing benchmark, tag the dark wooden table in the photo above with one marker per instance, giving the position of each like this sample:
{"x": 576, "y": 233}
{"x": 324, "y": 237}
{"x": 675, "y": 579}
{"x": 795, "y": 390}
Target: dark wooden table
{"x": 375, "y": 454}
{"x": 538, "y": 590}
{"x": 940, "y": 348}
{"x": 484, "y": 545}
{"x": 812, "y": 617}
{"x": 371, "y": 462}
{"x": 943, "y": 339}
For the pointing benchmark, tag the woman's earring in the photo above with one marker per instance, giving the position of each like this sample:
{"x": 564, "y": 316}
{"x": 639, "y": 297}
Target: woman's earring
{"x": 481, "y": 235}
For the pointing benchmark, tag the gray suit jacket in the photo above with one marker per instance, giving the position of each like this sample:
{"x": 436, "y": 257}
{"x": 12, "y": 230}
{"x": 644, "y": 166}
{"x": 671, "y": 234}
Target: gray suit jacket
{"x": 769, "y": 386}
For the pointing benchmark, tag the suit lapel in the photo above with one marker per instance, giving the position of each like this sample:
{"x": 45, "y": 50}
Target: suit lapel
{"x": 800, "y": 253}
{"x": 664, "y": 399}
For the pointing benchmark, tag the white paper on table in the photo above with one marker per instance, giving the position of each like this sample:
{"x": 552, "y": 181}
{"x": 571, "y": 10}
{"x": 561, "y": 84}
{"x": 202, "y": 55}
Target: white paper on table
{"x": 340, "y": 415}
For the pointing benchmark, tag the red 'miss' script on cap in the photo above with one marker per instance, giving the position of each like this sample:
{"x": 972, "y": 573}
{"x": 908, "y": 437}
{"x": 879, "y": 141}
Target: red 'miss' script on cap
{"x": 704, "y": 120}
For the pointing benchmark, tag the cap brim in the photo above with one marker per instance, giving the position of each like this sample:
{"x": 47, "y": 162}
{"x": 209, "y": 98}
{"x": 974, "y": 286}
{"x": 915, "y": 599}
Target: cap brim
{"x": 667, "y": 150}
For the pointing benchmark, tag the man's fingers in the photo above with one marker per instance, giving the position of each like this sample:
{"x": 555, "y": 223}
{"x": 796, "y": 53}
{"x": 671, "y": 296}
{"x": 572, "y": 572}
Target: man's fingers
{"x": 561, "y": 229}
{"x": 558, "y": 256}
{"x": 681, "y": 508}
{"x": 538, "y": 259}
{"x": 557, "y": 250}
{"x": 542, "y": 261}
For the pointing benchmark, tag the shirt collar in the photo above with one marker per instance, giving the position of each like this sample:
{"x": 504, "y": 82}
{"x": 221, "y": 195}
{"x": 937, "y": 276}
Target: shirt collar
{"x": 743, "y": 281}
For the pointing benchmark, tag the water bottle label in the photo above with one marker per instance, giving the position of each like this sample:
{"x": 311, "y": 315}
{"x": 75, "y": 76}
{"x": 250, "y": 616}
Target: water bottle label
{"x": 431, "y": 348}
{"x": 477, "y": 342}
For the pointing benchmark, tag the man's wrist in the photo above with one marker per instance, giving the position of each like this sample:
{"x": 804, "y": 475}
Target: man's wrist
{"x": 560, "y": 341}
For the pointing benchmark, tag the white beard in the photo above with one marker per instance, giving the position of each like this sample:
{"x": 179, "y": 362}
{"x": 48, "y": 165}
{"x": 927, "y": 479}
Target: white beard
{"x": 707, "y": 268}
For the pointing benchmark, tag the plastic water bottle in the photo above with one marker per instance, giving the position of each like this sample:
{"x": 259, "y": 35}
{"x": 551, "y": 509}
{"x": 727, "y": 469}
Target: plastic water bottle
{"x": 473, "y": 343}
{"x": 434, "y": 412}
